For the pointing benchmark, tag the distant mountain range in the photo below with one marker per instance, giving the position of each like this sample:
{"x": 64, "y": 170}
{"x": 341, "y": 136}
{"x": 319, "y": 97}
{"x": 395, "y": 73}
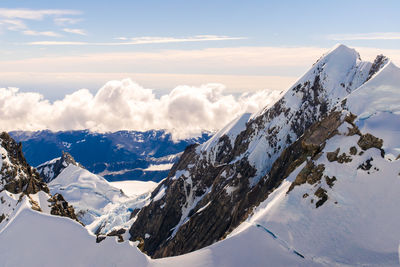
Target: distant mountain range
{"x": 122, "y": 155}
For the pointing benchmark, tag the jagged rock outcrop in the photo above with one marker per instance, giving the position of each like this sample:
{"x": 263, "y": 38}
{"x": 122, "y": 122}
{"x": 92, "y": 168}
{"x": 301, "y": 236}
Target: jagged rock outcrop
{"x": 51, "y": 169}
{"x": 61, "y": 207}
{"x": 17, "y": 177}
{"x": 215, "y": 186}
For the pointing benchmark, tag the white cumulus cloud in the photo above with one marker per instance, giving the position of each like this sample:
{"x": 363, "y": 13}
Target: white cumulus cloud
{"x": 125, "y": 105}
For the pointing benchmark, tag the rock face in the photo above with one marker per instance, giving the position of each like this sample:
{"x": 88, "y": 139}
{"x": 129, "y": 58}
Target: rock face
{"x": 215, "y": 186}
{"x": 51, "y": 169}
{"x": 60, "y": 207}
{"x": 17, "y": 177}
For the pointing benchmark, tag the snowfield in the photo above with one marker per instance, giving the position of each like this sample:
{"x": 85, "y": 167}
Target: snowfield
{"x": 37, "y": 239}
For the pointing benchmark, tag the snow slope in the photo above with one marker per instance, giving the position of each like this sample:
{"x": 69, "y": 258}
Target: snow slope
{"x": 377, "y": 104}
{"x": 100, "y": 205}
{"x": 358, "y": 225}
{"x": 36, "y": 239}
{"x": 88, "y": 193}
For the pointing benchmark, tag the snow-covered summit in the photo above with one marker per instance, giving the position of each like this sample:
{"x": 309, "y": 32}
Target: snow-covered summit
{"x": 49, "y": 170}
{"x": 334, "y": 76}
{"x": 249, "y": 158}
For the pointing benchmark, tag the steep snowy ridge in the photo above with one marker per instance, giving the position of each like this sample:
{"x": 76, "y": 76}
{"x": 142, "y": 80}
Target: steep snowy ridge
{"x": 331, "y": 78}
{"x": 247, "y": 160}
{"x": 21, "y": 185}
{"x": 99, "y": 205}
{"x": 51, "y": 169}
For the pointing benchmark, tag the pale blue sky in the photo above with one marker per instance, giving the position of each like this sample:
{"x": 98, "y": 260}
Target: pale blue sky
{"x": 57, "y": 47}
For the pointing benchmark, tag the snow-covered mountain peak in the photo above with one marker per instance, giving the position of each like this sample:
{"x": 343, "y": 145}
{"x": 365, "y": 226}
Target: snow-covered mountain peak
{"x": 338, "y": 72}
{"x": 250, "y": 157}
{"x": 52, "y": 168}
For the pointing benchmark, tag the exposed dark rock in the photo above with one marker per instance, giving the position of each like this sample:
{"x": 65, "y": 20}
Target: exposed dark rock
{"x": 35, "y": 205}
{"x": 28, "y": 180}
{"x": 343, "y": 158}
{"x": 134, "y": 213}
{"x": 323, "y": 197}
{"x": 310, "y": 174}
{"x": 60, "y": 207}
{"x": 353, "y": 150}
{"x": 332, "y": 156}
{"x": 366, "y": 166}
{"x": 350, "y": 117}
{"x": 368, "y": 141}
{"x": 100, "y": 238}
{"x": 330, "y": 181}
{"x": 118, "y": 233}
{"x": 379, "y": 62}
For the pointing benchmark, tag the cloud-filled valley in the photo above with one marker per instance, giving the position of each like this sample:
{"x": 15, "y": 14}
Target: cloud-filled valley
{"x": 125, "y": 105}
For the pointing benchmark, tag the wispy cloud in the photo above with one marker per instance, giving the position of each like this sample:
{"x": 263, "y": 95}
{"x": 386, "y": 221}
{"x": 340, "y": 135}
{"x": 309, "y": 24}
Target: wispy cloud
{"x": 41, "y": 33}
{"x": 13, "y": 24}
{"x": 145, "y": 40}
{"x": 66, "y": 21}
{"x": 365, "y": 36}
{"x": 16, "y": 19}
{"x": 75, "y": 31}
{"x": 160, "y": 40}
{"x": 34, "y": 14}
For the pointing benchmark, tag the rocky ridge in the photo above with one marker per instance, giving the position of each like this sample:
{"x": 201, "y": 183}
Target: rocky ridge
{"x": 20, "y": 182}
{"x": 49, "y": 170}
{"x": 240, "y": 166}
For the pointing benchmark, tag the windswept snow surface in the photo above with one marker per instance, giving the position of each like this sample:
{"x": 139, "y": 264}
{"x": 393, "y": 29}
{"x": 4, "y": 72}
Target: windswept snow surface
{"x": 99, "y": 204}
{"x": 36, "y": 239}
{"x": 359, "y": 223}
{"x": 88, "y": 193}
{"x": 377, "y": 103}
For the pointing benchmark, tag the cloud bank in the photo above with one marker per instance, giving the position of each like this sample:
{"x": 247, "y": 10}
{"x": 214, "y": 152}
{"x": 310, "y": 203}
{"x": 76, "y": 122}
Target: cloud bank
{"x": 125, "y": 105}
{"x": 138, "y": 40}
